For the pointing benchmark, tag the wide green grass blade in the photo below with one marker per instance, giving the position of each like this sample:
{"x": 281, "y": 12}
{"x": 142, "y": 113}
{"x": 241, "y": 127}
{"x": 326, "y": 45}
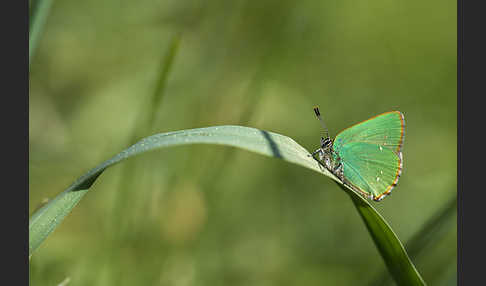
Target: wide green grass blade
{"x": 46, "y": 219}
{"x": 396, "y": 258}
{"x": 432, "y": 231}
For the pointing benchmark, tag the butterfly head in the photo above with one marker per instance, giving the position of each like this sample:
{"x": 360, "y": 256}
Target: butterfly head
{"x": 326, "y": 144}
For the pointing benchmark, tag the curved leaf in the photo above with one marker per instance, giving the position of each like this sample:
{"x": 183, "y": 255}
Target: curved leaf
{"x": 387, "y": 242}
{"x": 47, "y": 218}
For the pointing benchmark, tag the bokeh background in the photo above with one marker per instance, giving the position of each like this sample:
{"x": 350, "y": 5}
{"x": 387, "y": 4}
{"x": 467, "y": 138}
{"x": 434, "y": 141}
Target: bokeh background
{"x": 212, "y": 215}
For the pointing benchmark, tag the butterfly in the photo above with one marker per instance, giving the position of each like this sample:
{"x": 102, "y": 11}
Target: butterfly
{"x": 366, "y": 156}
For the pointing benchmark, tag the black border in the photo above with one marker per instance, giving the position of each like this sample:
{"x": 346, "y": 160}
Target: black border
{"x": 471, "y": 48}
{"x": 15, "y": 141}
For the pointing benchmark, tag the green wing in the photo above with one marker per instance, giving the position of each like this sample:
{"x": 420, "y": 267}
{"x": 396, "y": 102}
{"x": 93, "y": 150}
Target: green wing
{"x": 370, "y": 153}
{"x": 373, "y": 171}
{"x": 386, "y": 130}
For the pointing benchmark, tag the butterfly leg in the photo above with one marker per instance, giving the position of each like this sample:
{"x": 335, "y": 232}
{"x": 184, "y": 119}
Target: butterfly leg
{"x": 320, "y": 159}
{"x": 338, "y": 171}
{"x": 318, "y": 151}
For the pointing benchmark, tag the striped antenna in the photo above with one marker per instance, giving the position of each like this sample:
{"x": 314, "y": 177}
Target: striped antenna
{"x": 318, "y": 115}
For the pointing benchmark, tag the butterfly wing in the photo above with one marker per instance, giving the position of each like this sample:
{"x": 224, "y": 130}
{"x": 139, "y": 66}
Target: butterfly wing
{"x": 370, "y": 153}
{"x": 386, "y": 130}
{"x": 372, "y": 170}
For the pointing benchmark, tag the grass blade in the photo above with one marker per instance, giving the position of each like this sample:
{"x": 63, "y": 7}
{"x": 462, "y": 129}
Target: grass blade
{"x": 39, "y": 11}
{"x": 144, "y": 125}
{"x": 163, "y": 75}
{"x": 432, "y": 231}
{"x": 391, "y": 249}
{"x": 46, "y": 219}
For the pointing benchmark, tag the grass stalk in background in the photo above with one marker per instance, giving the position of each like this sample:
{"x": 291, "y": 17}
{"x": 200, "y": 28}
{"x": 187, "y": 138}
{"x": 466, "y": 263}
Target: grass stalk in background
{"x": 432, "y": 230}
{"x": 143, "y": 127}
{"x": 39, "y": 11}
{"x": 166, "y": 65}
{"x": 46, "y": 219}
{"x": 130, "y": 172}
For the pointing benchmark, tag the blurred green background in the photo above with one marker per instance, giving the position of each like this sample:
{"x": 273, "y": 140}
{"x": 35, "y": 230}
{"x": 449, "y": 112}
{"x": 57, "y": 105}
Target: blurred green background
{"x": 212, "y": 215}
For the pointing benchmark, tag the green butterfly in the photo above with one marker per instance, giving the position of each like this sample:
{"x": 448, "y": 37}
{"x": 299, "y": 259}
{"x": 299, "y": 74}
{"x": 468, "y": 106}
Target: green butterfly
{"x": 366, "y": 156}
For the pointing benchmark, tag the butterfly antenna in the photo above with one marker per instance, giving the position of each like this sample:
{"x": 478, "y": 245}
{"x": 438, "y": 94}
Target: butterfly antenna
{"x": 318, "y": 115}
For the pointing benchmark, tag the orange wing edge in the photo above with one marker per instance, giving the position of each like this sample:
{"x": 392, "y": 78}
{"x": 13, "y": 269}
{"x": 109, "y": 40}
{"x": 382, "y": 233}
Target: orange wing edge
{"x": 400, "y": 165}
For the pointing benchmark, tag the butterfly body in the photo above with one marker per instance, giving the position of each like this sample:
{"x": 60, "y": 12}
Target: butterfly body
{"x": 367, "y": 156}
